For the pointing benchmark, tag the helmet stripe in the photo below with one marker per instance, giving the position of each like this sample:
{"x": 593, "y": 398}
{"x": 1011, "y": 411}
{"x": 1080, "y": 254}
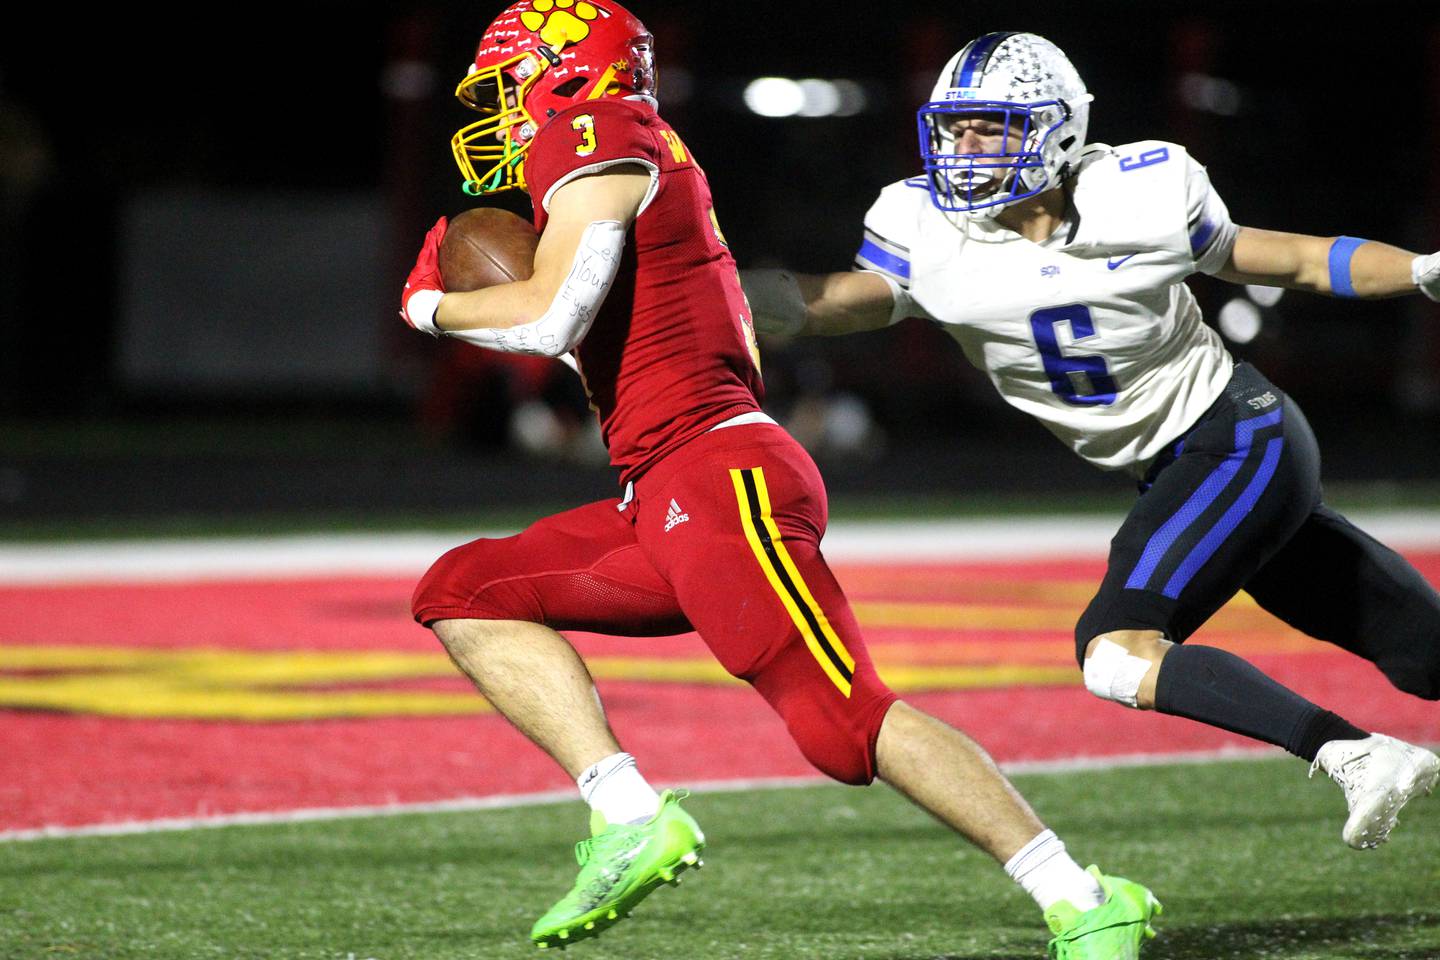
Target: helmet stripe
{"x": 978, "y": 57}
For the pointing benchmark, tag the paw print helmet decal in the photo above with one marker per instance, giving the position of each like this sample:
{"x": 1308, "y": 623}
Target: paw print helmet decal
{"x": 536, "y": 59}
{"x": 1027, "y": 85}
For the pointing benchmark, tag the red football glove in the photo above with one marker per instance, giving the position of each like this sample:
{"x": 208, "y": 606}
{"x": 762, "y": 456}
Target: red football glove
{"x": 424, "y": 287}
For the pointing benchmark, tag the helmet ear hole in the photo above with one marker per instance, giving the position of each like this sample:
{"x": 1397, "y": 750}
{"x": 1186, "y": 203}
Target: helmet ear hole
{"x": 570, "y": 87}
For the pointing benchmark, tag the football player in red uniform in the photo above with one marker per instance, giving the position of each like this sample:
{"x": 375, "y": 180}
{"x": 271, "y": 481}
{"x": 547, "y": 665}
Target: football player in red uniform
{"x": 719, "y": 527}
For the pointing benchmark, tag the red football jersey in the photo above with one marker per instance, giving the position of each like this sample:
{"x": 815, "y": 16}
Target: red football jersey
{"x": 672, "y": 350}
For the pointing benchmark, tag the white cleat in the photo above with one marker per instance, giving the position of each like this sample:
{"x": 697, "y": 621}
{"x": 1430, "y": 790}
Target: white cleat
{"x": 1379, "y": 776}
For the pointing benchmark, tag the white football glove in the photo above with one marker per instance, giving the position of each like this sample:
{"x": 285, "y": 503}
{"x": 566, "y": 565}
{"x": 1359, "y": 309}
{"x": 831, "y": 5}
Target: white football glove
{"x": 1426, "y": 273}
{"x": 776, "y": 304}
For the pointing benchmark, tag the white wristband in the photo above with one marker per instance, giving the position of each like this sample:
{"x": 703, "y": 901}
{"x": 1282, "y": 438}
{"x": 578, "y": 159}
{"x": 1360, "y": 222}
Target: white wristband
{"x": 420, "y": 311}
{"x": 1425, "y": 271}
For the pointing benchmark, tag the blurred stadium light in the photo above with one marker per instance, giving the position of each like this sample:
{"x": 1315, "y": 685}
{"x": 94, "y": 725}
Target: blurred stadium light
{"x": 296, "y": 201}
{"x": 1240, "y": 321}
{"x": 1265, "y": 296}
{"x": 811, "y": 97}
{"x": 1211, "y": 94}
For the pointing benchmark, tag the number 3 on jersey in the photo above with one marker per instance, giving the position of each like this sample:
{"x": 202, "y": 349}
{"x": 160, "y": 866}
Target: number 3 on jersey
{"x": 585, "y": 124}
{"x": 1080, "y": 379}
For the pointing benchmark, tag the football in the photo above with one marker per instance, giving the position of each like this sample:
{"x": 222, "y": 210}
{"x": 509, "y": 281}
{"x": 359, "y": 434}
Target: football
{"x": 486, "y": 246}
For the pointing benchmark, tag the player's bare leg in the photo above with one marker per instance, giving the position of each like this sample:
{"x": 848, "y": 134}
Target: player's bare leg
{"x": 949, "y": 775}
{"x": 946, "y": 773}
{"x": 536, "y": 680}
{"x": 1379, "y": 774}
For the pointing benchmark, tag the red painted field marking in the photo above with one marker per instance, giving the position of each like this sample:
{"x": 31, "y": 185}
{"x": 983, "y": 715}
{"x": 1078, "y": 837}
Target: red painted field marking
{"x": 936, "y": 625}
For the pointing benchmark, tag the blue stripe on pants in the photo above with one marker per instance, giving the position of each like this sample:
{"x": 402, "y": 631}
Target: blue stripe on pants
{"x": 1227, "y": 524}
{"x": 1171, "y": 530}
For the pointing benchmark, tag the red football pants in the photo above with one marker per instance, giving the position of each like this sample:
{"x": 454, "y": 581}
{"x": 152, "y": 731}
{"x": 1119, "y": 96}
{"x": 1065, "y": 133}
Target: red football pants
{"x": 723, "y": 537}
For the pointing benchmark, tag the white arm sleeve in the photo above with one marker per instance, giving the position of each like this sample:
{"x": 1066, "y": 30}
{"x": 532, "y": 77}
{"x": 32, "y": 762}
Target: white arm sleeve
{"x": 564, "y": 324}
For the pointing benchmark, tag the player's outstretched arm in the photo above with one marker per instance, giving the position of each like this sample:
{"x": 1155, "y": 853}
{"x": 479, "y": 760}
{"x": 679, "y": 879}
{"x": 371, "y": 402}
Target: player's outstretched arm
{"x": 1339, "y": 266}
{"x": 826, "y": 304}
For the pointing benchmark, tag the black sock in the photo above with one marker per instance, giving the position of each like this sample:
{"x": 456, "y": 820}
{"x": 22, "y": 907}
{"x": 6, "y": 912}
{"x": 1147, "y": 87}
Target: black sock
{"x": 1218, "y": 688}
{"x": 1321, "y": 730}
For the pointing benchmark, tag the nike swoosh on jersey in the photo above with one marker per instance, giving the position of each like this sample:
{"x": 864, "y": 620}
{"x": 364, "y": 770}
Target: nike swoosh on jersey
{"x": 1112, "y": 263}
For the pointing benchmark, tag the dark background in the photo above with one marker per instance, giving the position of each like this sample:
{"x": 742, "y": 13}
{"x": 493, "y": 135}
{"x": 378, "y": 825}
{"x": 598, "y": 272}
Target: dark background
{"x": 206, "y": 225}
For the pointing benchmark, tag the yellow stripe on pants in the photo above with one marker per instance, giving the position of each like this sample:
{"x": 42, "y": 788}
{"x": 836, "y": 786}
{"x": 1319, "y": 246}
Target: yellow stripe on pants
{"x": 769, "y": 548}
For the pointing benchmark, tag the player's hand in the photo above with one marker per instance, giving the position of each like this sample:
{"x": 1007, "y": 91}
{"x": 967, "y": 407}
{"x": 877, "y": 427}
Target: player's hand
{"x": 776, "y": 304}
{"x": 424, "y": 287}
{"x": 1426, "y": 271}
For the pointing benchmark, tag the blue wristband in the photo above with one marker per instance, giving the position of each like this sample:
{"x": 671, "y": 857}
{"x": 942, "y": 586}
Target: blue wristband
{"x": 1341, "y": 253}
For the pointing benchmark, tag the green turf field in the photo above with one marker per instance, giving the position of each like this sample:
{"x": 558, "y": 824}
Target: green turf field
{"x": 1246, "y": 856}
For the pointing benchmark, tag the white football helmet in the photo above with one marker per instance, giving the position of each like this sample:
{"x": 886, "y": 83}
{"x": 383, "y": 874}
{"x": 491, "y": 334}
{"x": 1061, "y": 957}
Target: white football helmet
{"x": 1024, "y": 82}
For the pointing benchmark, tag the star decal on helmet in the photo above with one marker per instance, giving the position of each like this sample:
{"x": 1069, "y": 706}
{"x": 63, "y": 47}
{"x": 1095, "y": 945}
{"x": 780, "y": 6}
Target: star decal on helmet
{"x": 560, "y": 22}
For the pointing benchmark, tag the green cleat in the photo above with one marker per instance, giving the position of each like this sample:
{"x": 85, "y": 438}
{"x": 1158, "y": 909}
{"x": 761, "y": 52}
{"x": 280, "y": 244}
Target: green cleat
{"x": 1112, "y": 931}
{"x": 619, "y": 866}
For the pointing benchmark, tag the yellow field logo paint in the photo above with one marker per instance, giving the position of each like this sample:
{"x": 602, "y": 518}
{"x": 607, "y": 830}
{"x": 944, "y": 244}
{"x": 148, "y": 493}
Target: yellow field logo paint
{"x": 226, "y": 684}
{"x": 276, "y": 686}
{"x": 256, "y": 685}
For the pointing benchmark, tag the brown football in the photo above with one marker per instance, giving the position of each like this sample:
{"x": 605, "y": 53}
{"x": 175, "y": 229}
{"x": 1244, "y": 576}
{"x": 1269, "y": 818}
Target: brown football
{"x": 486, "y": 246}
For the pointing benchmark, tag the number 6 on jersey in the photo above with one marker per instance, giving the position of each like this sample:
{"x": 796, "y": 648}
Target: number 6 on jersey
{"x": 1080, "y": 379}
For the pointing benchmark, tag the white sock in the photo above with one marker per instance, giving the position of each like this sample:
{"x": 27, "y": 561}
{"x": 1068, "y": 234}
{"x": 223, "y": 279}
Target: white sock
{"x": 615, "y": 788}
{"x": 1049, "y": 875}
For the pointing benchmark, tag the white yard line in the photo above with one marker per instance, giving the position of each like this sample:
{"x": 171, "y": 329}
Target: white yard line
{"x": 468, "y": 804}
{"x": 409, "y": 554}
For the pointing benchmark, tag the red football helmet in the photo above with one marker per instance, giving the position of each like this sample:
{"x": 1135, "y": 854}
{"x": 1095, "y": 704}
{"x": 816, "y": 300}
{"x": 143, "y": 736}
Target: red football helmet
{"x": 536, "y": 59}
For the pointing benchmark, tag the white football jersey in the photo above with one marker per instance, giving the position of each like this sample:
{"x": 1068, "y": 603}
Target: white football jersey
{"x": 1093, "y": 331}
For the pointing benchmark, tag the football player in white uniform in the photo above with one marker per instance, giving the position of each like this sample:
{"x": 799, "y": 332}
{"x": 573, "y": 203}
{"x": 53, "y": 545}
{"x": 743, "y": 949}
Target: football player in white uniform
{"x": 1059, "y": 267}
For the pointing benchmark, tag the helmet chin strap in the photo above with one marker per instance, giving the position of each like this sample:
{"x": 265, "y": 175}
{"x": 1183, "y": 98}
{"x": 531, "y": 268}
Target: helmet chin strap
{"x": 476, "y": 188}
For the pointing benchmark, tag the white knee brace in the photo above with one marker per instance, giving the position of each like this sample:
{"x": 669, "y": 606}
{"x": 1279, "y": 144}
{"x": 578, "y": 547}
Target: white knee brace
{"x": 1114, "y": 673}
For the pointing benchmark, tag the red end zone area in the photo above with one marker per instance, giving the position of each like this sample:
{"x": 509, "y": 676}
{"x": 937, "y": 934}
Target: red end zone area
{"x": 123, "y": 702}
